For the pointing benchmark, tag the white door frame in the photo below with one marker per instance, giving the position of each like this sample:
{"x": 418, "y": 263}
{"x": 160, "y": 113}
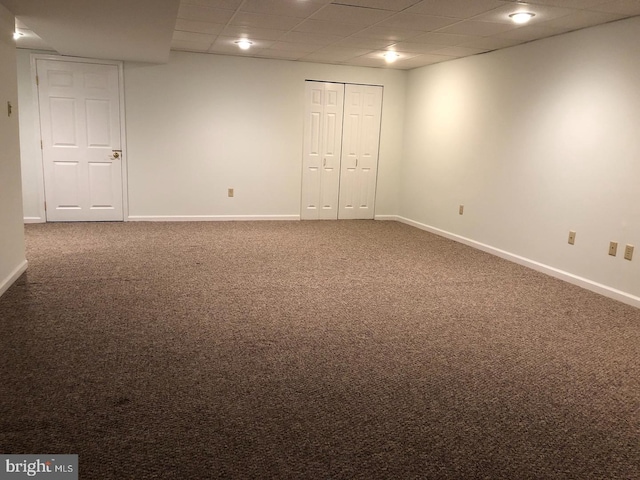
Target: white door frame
{"x": 34, "y": 86}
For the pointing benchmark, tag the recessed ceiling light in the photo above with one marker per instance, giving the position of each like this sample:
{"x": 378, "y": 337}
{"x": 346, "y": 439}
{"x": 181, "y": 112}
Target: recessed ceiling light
{"x": 17, "y": 35}
{"x": 391, "y": 57}
{"x": 244, "y": 44}
{"x": 521, "y": 17}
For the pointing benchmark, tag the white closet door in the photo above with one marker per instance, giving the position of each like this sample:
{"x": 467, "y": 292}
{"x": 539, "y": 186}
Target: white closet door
{"x": 322, "y": 146}
{"x": 361, "y": 138}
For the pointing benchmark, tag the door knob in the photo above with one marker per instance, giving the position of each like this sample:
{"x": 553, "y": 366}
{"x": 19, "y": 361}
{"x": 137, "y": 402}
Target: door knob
{"x": 116, "y": 153}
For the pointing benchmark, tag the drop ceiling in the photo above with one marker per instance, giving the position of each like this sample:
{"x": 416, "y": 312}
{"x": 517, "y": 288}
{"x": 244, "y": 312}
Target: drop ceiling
{"x": 345, "y": 32}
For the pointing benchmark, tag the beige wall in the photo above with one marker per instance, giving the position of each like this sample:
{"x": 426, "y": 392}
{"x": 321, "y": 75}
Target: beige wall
{"x": 535, "y": 141}
{"x": 12, "y": 254}
{"x": 204, "y": 123}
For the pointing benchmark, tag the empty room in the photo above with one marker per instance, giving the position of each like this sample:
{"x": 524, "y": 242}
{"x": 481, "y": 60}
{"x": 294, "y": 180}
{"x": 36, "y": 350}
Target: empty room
{"x": 300, "y": 239}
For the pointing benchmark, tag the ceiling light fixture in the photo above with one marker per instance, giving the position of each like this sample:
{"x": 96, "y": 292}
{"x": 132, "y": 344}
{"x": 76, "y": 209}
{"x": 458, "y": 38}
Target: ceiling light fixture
{"x": 391, "y": 57}
{"x": 17, "y": 35}
{"x": 244, "y": 44}
{"x": 521, "y": 17}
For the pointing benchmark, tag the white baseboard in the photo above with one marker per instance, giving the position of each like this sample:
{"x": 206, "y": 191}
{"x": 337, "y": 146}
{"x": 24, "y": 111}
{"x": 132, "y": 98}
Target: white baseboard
{"x": 385, "y": 218}
{"x": 34, "y": 220}
{"x": 208, "y": 218}
{"x": 585, "y": 283}
{"x": 13, "y": 276}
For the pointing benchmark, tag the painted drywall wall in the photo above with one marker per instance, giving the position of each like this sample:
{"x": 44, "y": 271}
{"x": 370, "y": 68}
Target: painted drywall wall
{"x": 12, "y": 249}
{"x": 535, "y": 141}
{"x": 202, "y": 124}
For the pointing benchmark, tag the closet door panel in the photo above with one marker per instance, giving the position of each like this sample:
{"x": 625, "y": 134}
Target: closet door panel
{"x": 361, "y": 138}
{"x": 324, "y": 104}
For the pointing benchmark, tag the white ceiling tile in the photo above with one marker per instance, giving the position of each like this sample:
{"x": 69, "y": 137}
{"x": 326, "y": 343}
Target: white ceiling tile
{"x": 332, "y": 28}
{"x": 353, "y": 52}
{"x": 415, "y": 47}
{"x": 530, "y": 32}
{"x": 228, "y": 4}
{"x": 295, "y": 47}
{"x": 280, "y": 54}
{"x": 356, "y": 32}
{"x": 198, "y": 27}
{"x": 491, "y": 43}
{"x": 626, "y": 7}
{"x": 423, "y": 23}
{"x": 421, "y": 61}
{"x": 459, "y": 51}
{"x": 335, "y": 55}
{"x": 321, "y": 39}
{"x": 395, "y": 34}
{"x": 379, "y": 55}
{"x": 274, "y": 22}
{"x": 204, "y": 14}
{"x": 366, "y": 43}
{"x": 443, "y": 39}
{"x": 480, "y": 29}
{"x": 241, "y": 31}
{"x": 287, "y": 8}
{"x": 455, "y": 8}
{"x": 228, "y": 45}
{"x": 392, "y": 5}
{"x": 193, "y": 37}
{"x": 582, "y": 19}
{"x": 348, "y": 14}
{"x": 577, "y": 4}
{"x": 542, "y": 13}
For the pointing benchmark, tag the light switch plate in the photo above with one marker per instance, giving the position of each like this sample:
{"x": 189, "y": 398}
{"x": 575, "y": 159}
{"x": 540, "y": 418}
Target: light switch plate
{"x": 628, "y": 252}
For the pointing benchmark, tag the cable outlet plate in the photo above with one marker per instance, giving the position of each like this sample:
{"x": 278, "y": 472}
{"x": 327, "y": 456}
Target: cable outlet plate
{"x": 230, "y": 192}
{"x": 461, "y": 209}
{"x": 613, "y": 248}
{"x": 628, "y": 252}
{"x": 572, "y": 237}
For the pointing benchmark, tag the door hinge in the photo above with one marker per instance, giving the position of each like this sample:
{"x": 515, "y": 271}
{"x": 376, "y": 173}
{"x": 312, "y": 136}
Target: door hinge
{"x": 37, "y": 80}
{"x": 41, "y": 146}
{"x": 45, "y": 206}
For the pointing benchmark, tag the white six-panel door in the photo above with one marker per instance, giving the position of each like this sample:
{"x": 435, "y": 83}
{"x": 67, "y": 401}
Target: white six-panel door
{"x": 80, "y": 128}
{"x": 322, "y": 144}
{"x": 340, "y": 160}
{"x": 360, "y": 142}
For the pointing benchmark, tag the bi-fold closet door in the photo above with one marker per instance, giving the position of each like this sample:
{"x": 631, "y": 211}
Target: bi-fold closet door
{"x": 341, "y": 139}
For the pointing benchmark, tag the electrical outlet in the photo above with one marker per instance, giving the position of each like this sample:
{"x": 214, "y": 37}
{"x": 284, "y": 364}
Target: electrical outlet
{"x": 613, "y": 248}
{"x": 461, "y": 209}
{"x": 628, "y": 252}
{"x": 230, "y": 192}
{"x": 572, "y": 237}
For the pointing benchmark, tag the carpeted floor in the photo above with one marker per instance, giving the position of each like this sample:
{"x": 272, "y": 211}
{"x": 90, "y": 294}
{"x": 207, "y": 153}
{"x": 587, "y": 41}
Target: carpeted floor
{"x": 310, "y": 350}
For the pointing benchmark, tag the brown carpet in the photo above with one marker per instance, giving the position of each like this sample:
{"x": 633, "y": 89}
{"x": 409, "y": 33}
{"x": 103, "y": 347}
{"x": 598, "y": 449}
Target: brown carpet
{"x": 310, "y": 350}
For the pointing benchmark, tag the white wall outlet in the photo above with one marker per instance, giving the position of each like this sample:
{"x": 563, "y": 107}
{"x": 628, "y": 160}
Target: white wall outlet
{"x": 461, "y": 210}
{"x": 628, "y": 252}
{"x": 613, "y": 248}
{"x": 230, "y": 192}
{"x": 572, "y": 237}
